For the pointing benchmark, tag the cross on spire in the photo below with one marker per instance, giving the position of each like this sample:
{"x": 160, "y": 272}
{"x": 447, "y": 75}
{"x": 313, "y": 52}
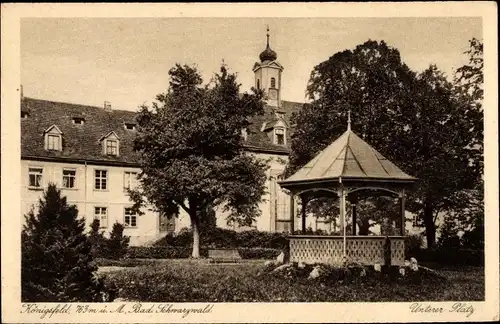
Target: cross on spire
{"x": 349, "y": 120}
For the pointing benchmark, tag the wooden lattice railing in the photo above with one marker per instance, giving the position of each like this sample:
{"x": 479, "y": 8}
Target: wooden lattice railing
{"x": 329, "y": 249}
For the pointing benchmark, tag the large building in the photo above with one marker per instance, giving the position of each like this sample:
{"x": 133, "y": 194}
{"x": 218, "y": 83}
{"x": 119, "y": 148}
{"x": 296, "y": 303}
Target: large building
{"x": 88, "y": 153}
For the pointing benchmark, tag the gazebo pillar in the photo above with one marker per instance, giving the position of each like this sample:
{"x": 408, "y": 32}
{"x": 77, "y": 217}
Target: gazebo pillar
{"x": 292, "y": 213}
{"x": 304, "y": 206}
{"x": 342, "y": 197}
{"x": 402, "y": 209}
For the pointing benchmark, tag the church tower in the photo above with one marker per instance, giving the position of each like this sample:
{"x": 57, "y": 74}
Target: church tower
{"x": 268, "y": 75}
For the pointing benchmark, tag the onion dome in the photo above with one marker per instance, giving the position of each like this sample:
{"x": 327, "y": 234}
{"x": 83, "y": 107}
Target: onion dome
{"x": 268, "y": 54}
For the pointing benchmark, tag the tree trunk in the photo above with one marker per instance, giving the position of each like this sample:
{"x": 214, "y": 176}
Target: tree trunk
{"x": 196, "y": 237}
{"x": 195, "y": 225}
{"x": 364, "y": 226}
{"x": 430, "y": 227}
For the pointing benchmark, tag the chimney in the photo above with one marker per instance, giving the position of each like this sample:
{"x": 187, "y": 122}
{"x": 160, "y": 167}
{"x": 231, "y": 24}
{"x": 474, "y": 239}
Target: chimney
{"x": 107, "y": 105}
{"x": 22, "y": 94}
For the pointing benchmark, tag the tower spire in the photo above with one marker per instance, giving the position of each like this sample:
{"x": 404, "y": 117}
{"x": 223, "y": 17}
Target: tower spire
{"x": 267, "y": 36}
{"x": 348, "y": 120}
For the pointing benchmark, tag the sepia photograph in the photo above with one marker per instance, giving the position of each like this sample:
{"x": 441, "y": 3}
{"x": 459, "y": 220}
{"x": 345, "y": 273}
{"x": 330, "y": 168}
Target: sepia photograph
{"x": 261, "y": 159}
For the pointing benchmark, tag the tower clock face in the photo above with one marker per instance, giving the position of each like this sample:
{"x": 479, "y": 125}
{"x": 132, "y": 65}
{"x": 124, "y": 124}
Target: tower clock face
{"x": 273, "y": 94}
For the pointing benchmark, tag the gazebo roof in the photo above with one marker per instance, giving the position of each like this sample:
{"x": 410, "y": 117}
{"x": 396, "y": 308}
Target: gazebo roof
{"x": 348, "y": 158}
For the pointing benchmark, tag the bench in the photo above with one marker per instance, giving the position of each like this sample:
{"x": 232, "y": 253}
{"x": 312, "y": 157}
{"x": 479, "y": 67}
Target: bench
{"x": 224, "y": 256}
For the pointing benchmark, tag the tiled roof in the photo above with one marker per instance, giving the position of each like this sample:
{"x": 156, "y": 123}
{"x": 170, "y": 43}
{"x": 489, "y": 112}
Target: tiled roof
{"x": 81, "y": 142}
{"x": 349, "y": 157}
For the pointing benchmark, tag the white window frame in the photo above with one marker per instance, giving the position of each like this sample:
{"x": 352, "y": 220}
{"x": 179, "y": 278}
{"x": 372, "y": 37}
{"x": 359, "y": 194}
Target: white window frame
{"x": 53, "y": 142}
{"x": 272, "y": 83}
{"x": 98, "y": 214}
{"x": 132, "y": 180}
{"x": 70, "y": 176}
{"x": 100, "y": 178}
{"x": 40, "y": 174}
{"x": 107, "y": 147}
{"x": 127, "y": 212}
{"x": 279, "y": 131}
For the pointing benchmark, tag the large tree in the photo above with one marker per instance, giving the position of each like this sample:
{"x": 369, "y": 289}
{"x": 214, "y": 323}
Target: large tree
{"x": 413, "y": 119}
{"x": 192, "y": 150}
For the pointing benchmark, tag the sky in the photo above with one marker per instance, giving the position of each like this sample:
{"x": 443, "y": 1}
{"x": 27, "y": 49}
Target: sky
{"x": 126, "y": 60}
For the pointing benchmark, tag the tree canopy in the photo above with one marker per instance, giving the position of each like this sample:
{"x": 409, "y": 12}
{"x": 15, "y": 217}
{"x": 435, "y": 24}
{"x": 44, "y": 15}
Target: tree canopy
{"x": 192, "y": 149}
{"x": 414, "y": 119}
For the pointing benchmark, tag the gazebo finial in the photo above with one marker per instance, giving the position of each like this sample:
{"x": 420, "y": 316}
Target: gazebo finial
{"x": 348, "y": 120}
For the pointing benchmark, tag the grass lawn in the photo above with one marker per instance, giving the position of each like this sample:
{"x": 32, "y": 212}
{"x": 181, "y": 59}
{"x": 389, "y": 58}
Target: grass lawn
{"x": 197, "y": 281}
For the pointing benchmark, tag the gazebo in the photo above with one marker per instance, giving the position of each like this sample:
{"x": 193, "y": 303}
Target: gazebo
{"x": 349, "y": 168}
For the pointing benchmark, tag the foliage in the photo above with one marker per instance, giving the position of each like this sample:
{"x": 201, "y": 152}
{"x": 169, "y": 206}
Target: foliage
{"x": 98, "y": 240}
{"x": 117, "y": 243}
{"x": 451, "y": 256}
{"x": 56, "y": 254}
{"x": 179, "y": 252}
{"x": 224, "y": 238}
{"x": 113, "y": 247}
{"x": 190, "y": 281}
{"x": 192, "y": 150}
{"x": 415, "y": 120}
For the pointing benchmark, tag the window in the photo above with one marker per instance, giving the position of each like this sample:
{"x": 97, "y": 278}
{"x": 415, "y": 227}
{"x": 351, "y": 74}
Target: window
{"x": 111, "y": 147}
{"x": 130, "y": 218}
{"x": 35, "y": 177}
{"x": 258, "y": 84}
{"x": 78, "y": 120}
{"x": 280, "y": 136}
{"x": 129, "y": 126}
{"x": 130, "y": 180}
{"x": 101, "y": 214}
{"x": 282, "y": 226}
{"x": 273, "y": 83}
{"x": 69, "y": 179}
{"x": 101, "y": 180}
{"x": 54, "y": 142}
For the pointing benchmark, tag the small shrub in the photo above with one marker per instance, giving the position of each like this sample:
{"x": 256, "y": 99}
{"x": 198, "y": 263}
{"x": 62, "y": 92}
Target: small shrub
{"x": 116, "y": 245}
{"x": 96, "y": 237}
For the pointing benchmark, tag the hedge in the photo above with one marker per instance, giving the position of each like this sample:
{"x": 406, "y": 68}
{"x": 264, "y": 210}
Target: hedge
{"x": 224, "y": 238}
{"x": 448, "y": 256}
{"x": 172, "y": 252}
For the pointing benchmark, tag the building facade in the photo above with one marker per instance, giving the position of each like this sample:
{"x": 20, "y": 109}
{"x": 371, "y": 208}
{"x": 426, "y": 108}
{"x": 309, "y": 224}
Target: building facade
{"x": 88, "y": 153}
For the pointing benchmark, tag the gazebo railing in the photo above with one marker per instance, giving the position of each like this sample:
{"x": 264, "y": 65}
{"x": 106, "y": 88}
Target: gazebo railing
{"x": 368, "y": 250}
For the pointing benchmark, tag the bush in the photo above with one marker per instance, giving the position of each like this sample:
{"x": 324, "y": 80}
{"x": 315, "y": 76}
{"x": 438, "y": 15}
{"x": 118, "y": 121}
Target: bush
{"x": 176, "y": 252}
{"x": 413, "y": 244}
{"x": 116, "y": 245}
{"x": 449, "y": 256}
{"x": 98, "y": 241}
{"x": 224, "y": 238}
{"x": 56, "y": 254}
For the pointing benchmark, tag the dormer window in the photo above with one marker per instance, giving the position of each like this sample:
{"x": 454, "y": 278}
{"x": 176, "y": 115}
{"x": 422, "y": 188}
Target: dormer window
{"x": 111, "y": 144}
{"x": 279, "y": 136}
{"x": 273, "y": 83}
{"x": 78, "y": 120}
{"x": 130, "y": 126}
{"x": 111, "y": 147}
{"x": 53, "y": 138}
{"x": 24, "y": 114}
